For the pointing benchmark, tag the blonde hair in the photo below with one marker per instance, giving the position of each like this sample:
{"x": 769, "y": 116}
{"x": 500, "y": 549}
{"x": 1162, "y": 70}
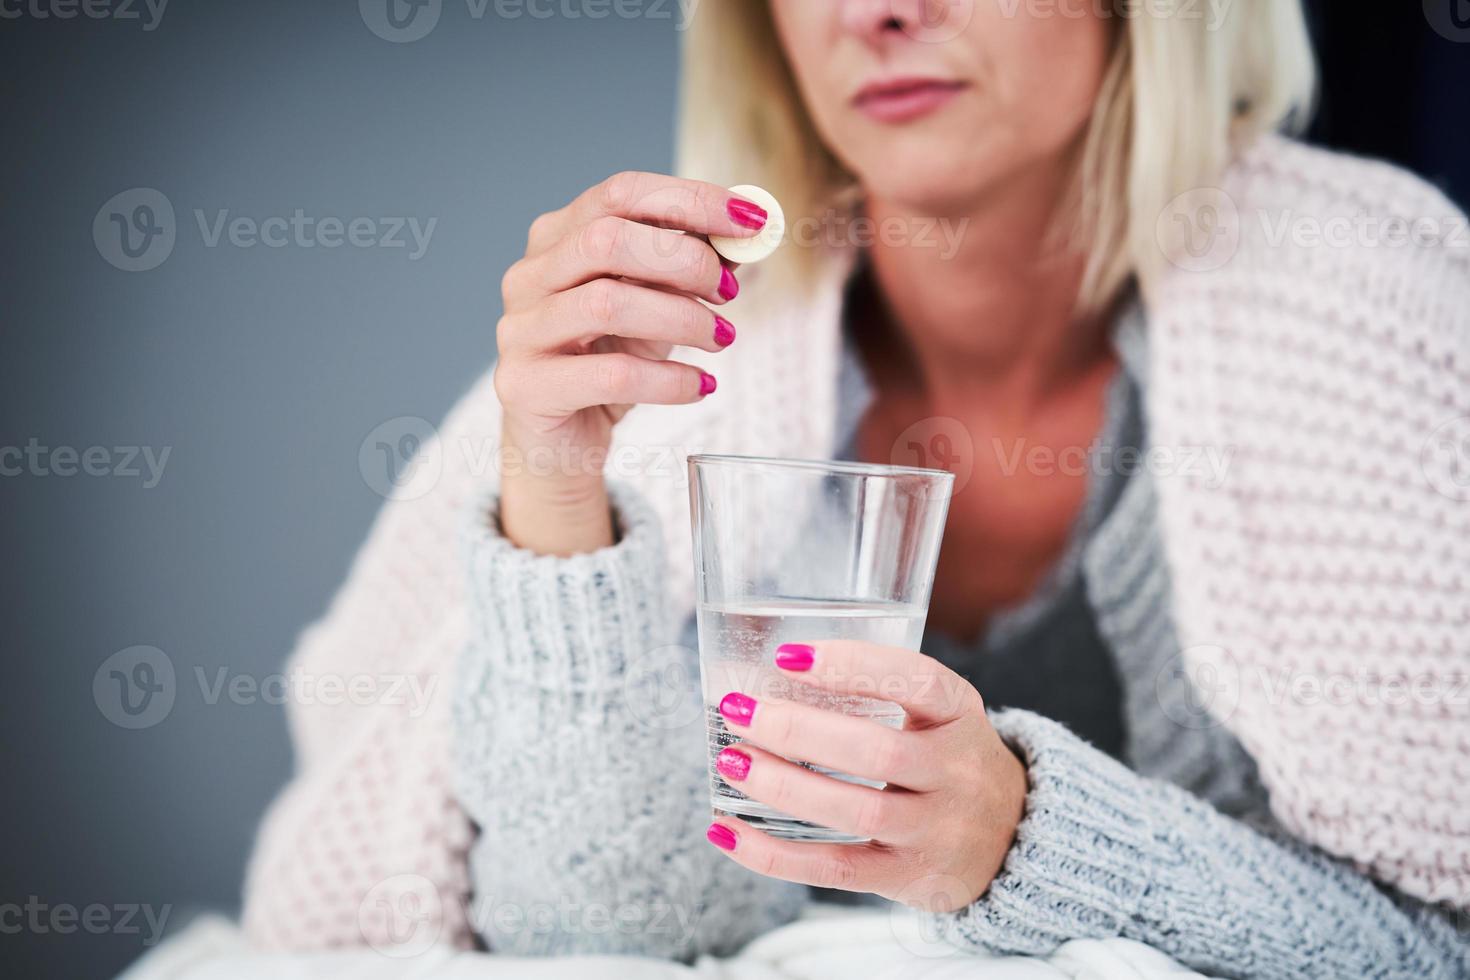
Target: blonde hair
{"x": 1179, "y": 94}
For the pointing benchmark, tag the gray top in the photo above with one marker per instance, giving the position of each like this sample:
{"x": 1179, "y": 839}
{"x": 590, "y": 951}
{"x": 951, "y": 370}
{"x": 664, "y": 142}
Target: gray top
{"x": 579, "y": 754}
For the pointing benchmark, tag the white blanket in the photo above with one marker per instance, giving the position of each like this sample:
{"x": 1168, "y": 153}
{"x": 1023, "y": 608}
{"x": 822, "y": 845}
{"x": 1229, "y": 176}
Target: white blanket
{"x": 828, "y": 943}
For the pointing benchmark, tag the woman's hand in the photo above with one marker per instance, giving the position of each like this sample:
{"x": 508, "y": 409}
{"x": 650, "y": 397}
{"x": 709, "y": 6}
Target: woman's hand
{"x": 607, "y": 286}
{"x": 940, "y": 830}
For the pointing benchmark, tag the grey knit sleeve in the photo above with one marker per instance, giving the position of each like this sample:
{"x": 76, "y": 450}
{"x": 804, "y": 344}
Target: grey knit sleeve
{"x": 1103, "y": 852}
{"x": 579, "y": 754}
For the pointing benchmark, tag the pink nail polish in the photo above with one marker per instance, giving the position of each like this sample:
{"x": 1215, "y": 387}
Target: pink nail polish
{"x": 724, "y": 332}
{"x": 795, "y": 656}
{"x": 721, "y": 836}
{"x": 737, "y": 708}
{"x": 707, "y": 384}
{"x": 747, "y": 215}
{"x": 733, "y": 764}
{"x": 729, "y": 288}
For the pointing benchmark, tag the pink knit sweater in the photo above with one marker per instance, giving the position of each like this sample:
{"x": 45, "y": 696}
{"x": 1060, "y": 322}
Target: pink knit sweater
{"x": 1322, "y": 590}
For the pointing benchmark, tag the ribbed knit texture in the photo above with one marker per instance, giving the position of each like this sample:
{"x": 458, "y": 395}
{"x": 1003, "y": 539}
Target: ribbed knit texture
{"x": 580, "y": 755}
{"x": 1337, "y": 551}
{"x": 1102, "y": 852}
{"x": 1326, "y": 371}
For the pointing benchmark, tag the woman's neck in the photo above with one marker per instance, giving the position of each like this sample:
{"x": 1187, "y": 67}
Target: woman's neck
{"x": 994, "y": 317}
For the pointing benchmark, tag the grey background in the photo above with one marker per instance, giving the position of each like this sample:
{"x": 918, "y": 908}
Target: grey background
{"x": 263, "y": 370}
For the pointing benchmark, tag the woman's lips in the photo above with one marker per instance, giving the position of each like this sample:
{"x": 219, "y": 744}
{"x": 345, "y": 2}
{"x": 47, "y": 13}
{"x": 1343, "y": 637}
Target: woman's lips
{"x": 902, "y": 99}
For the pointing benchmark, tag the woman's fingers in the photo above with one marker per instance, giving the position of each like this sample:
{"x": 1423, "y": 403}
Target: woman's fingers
{"x": 616, "y": 247}
{"x": 890, "y": 816}
{"x": 612, "y": 307}
{"x": 929, "y": 692}
{"x": 653, "y": 199}
{"x": 563, "y": 385}
{"x": 850, "y": 867}
{"x": 845, "y": 743}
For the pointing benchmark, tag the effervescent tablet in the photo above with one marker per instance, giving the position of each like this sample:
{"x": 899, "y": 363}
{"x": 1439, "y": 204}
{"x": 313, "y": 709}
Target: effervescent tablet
{"x": 766, "y": 241}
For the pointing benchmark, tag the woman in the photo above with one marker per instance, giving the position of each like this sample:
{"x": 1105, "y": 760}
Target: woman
{"x": 1125, "y": 269}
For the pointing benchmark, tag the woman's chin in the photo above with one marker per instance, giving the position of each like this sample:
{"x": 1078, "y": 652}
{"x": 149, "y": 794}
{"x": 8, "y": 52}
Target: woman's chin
{"x": 935, "y": 192}
{"x": 927, "y": 183}
{"x": 924, "y": 178}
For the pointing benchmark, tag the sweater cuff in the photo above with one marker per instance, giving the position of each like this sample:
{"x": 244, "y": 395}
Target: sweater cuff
{"x": 566, "y": 624}
{"x": 1083, "y": 855}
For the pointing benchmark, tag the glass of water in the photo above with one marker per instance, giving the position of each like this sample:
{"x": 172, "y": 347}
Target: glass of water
{"x": 794, "y": 551}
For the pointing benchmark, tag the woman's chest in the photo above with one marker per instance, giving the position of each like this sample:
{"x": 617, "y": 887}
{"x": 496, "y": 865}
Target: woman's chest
{"x": 1019, "y": 488}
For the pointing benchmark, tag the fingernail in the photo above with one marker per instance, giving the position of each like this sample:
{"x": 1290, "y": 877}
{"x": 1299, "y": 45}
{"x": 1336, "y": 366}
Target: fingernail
{"x": 724, "y": 332}
{"x": 721, "y": 836}
{"x": 729, "y": 288}
{"x": 795, "y": 656}
{"x": 747, "y": 215}
{"x": 737, "y": 708}
{"x": 707, "y": 384}
{"x": 733, "y": 764}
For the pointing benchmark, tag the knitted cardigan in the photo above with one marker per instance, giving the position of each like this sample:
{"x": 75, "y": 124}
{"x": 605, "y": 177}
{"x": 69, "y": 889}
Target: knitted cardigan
{"x": 1321, "y": 590}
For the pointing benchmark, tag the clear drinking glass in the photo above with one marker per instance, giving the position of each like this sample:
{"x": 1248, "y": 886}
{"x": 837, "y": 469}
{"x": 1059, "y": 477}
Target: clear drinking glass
{"x": 794, "y": 551}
